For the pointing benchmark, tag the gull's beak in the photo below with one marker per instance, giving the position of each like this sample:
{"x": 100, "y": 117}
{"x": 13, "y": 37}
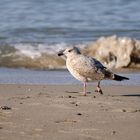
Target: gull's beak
{"x": 60, "y": 53}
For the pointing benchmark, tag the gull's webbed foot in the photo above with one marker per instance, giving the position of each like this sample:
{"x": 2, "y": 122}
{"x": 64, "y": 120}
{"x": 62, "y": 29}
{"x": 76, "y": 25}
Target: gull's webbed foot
{"x": 98, "y": 89}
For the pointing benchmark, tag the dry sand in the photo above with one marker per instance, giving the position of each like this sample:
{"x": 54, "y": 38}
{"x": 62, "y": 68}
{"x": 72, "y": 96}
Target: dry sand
{"x": 58, "y": 112}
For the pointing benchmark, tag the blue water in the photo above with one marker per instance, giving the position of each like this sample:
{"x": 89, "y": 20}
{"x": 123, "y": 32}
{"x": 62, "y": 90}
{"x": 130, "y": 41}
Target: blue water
{"x": 34, "y": 25}
{"x": 51, "y": 21}
{"x": 25, "y": 76}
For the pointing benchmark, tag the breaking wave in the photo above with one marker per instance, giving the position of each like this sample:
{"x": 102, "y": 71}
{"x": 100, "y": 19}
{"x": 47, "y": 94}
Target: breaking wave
{"x": 112, "y": 51}
{"x": 33, "y": 56}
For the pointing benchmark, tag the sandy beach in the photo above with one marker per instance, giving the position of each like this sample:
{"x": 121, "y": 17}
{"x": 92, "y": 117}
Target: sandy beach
{"x": 58, "y": 112}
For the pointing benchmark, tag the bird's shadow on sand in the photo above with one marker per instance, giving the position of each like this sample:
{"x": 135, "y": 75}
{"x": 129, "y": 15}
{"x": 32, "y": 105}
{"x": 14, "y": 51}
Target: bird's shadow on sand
{"x": 128, "y": 95}
{"x": 124, "y": 95}
{"x": 76, "y": 92}
{"x": 131, "y": 95}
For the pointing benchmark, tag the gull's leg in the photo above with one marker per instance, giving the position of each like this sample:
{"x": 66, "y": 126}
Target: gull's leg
{"x": 98, "y": 88}
{"x": 84, "y": 89}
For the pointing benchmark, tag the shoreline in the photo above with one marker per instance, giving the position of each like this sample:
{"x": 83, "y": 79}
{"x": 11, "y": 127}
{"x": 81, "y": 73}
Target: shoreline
{"x": 52, "y": 77}
{"x": 118, "y": 70}
{"x": 60, "y": 112}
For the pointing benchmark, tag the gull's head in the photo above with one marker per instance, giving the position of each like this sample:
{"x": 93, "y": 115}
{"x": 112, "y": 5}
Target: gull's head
{"x": 69, "y": 51}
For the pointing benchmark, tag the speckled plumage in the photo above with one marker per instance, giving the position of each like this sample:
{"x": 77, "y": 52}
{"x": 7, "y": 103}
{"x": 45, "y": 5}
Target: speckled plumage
{"x": 85, "y": 68}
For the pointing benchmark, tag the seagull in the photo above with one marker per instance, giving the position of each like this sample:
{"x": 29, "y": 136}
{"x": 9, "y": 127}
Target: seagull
{"x": 87, "y": 69}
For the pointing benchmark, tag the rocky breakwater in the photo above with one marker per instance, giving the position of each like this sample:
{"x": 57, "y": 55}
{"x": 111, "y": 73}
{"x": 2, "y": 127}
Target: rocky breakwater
{"x": 115, "y": 52}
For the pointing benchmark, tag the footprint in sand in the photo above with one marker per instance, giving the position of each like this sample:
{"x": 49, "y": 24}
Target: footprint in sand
{"x": 20, "y": 98}
{"x": 66, "y": 121}
{"x": 5, "y": 108}
{"x": 1, "y": 127}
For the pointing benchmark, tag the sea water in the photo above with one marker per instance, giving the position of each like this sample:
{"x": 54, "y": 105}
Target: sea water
{"x": 55, "y": 21}
{"x": 33, "y": 28}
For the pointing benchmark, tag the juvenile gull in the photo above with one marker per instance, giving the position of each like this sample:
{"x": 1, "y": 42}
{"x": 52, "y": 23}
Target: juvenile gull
{"x": 87, "y": 69}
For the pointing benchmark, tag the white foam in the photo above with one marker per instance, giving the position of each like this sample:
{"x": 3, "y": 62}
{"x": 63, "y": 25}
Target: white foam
{"x": 36, "y": 50}
{"x": 27, "y": 50}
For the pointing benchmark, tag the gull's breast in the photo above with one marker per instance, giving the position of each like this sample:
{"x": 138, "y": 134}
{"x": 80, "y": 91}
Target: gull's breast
{"x": 75, "y": 74}
{"x": 74, "y": 70}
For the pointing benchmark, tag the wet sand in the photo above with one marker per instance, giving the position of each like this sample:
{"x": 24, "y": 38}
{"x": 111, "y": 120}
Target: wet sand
{"x": 58, "y": 112}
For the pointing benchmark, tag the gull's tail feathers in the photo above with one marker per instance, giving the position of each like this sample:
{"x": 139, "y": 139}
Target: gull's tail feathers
{"x": 110, "y": 75}
{"x": 119, "y": 78}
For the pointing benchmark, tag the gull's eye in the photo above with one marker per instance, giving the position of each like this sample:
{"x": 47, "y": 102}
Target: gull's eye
{"x": 69, "y": 50}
